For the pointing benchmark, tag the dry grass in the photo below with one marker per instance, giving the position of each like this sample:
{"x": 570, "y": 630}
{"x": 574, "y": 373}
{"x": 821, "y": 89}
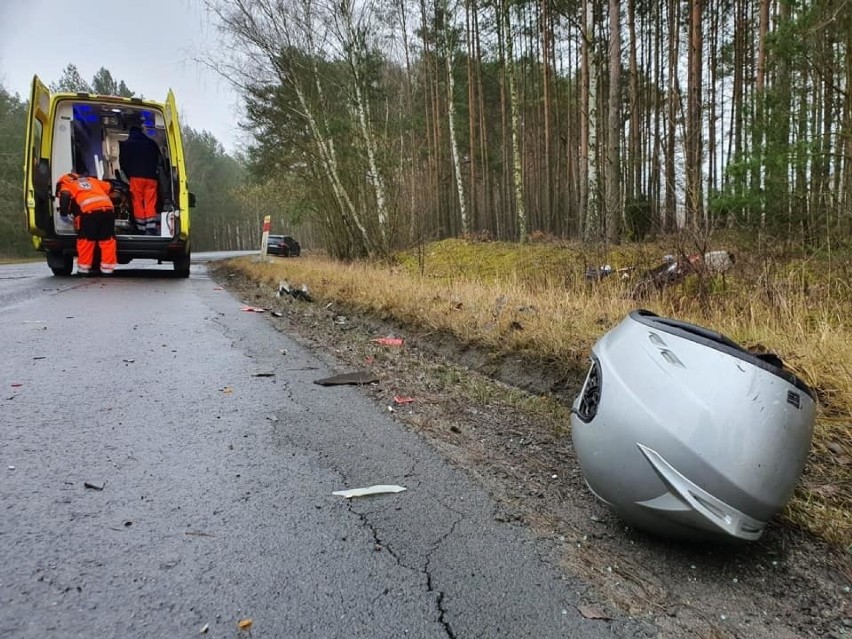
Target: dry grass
{"x": 534, "y": 299}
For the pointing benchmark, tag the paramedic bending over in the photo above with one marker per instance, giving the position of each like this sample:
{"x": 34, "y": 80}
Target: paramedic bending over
{"x": 139, "y": 159}
{"x": 88, "y": 199}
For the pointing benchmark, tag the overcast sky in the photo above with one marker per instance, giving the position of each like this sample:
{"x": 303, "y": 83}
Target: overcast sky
{"x": 150, "y": 44}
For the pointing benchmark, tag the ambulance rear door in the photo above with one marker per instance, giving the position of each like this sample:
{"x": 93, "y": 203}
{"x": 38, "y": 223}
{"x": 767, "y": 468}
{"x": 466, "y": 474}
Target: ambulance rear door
{"x": 173, "y": 134}
{"x": 37, "y": 177}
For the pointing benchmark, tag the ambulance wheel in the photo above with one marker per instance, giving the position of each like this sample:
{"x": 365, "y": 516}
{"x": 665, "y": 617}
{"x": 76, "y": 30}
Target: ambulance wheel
{"x": 61, "y": 265}
{"x": 181, "y": 265}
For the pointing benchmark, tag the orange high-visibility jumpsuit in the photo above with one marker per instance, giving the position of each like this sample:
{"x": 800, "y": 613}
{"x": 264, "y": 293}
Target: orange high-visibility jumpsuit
{"x": 143, "y": 195}
{"x": 87, "y": 198}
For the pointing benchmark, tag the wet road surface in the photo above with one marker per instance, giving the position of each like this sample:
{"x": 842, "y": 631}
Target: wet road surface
{"x": 168, "y": 466}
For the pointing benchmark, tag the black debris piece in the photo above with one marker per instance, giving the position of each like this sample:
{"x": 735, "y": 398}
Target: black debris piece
{"x": 356, "y": 377}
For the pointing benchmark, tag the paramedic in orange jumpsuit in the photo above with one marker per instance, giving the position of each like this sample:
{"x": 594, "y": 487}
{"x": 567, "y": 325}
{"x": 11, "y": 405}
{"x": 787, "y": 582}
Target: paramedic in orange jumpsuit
{"x": 139, "y": 158}
{"x": 88, "y": 200}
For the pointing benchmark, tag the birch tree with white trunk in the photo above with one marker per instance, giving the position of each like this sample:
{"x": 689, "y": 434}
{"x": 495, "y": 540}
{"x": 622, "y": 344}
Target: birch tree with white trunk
{"x": 448, "y": 8}
{"x": 262, "y": 32}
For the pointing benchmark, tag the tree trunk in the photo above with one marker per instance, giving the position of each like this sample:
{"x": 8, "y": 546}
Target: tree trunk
{"x": 694, "y": 122}
{"x": 634, "y": 162}
{"x": 613, "y": 164}
{"x": 591, "y": 221}
{"x": 470, "y": 9}
{"x": 355, "y": 56}
{"x": 759, "y": 125}
{"x": 448, "y": 49}
{"x": 517, "y": 167}
{"x": 547, "y": 199}
{"x": 670, "y": 220}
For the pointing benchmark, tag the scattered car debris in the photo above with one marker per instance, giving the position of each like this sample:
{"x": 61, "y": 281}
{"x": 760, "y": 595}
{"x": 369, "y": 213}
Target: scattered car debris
{"x": 674, "y": 270}
{"x": 40, "y": 357}
{"x": 389, "y": 341}
{"x": 263, "y": 374}
{"x": 277, "y": 314}
{"x": 128, "y": 361}
{"x": 302, "y": 293}
{"x": 227, "y": 390}
{"x": 16, "y": 385}
{"x": 602, "y": 272}
{"x": 379, "y": 489}
{"x": 93, "y": 485}
{"x": 591, "y": 612}
{"x": 595, "y": 274}
{"x": 355, "y": 377}
{"x": 204, "y": 629}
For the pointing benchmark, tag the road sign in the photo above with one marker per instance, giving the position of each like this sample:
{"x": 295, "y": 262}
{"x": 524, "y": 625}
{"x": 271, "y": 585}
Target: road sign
{"x": 264, "y": 240}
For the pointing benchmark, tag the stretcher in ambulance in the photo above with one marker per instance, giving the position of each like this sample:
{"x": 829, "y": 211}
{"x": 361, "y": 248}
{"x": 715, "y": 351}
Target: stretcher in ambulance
{"x": 81, "y": 133}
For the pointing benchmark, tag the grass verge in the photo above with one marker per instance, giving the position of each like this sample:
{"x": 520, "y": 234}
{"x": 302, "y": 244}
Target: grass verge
{"x": 534, "y": 300}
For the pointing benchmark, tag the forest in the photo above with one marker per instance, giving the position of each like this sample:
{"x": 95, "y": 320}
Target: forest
{"x": 378, "y": 126}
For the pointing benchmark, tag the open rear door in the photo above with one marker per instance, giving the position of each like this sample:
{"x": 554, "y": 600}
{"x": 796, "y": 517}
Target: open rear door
{"x": 173, "y": 133}
{"x": 37, "y": 180}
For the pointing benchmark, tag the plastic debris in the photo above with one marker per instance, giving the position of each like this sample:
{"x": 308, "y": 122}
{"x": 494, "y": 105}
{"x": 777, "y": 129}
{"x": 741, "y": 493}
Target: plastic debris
{"x": 356, "y": 377}
{"x": 302, "y": 293}
{"x": 380, "y": 489}
{"x": 204, "y": 629}
{"x": 401, "y": 399}
{"x": 253, "y": 309}
{"x": 227, "y": 390}
{"x": 591, "y": 612}
{"x": 594, "y": 274}
{"x": 93, "y": 486}
{"x": 245, "y": 624}
{"x": 389, "y": 341}
{"x": 263, "y": 374}
{"x": 674, "y": 270}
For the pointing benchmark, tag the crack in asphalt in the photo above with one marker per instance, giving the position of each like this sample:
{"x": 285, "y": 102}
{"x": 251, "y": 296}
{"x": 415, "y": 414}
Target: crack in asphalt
{"x": 439, "y": 594}
{"x": 430, "y": 587}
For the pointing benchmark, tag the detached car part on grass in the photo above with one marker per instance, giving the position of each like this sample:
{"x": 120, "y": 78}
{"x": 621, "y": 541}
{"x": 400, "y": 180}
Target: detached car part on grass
{"x": 686, "y": 434}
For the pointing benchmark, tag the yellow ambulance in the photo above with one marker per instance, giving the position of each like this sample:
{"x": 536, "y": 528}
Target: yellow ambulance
{"x": 81, "y": 133}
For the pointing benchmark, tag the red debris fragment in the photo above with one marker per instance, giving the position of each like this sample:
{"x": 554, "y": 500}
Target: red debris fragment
{"x": 389, "y": 341}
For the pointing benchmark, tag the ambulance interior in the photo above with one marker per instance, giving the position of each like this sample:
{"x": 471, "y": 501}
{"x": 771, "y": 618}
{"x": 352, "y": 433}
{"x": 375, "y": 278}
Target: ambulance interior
{"x": 86, "y": 141}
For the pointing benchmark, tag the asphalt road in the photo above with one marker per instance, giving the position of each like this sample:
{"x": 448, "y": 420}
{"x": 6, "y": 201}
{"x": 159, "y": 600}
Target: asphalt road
{"x": 168, "y": 466}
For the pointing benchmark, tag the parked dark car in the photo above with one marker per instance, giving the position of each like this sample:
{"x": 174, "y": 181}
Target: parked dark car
{"x": 283, "y": 245}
